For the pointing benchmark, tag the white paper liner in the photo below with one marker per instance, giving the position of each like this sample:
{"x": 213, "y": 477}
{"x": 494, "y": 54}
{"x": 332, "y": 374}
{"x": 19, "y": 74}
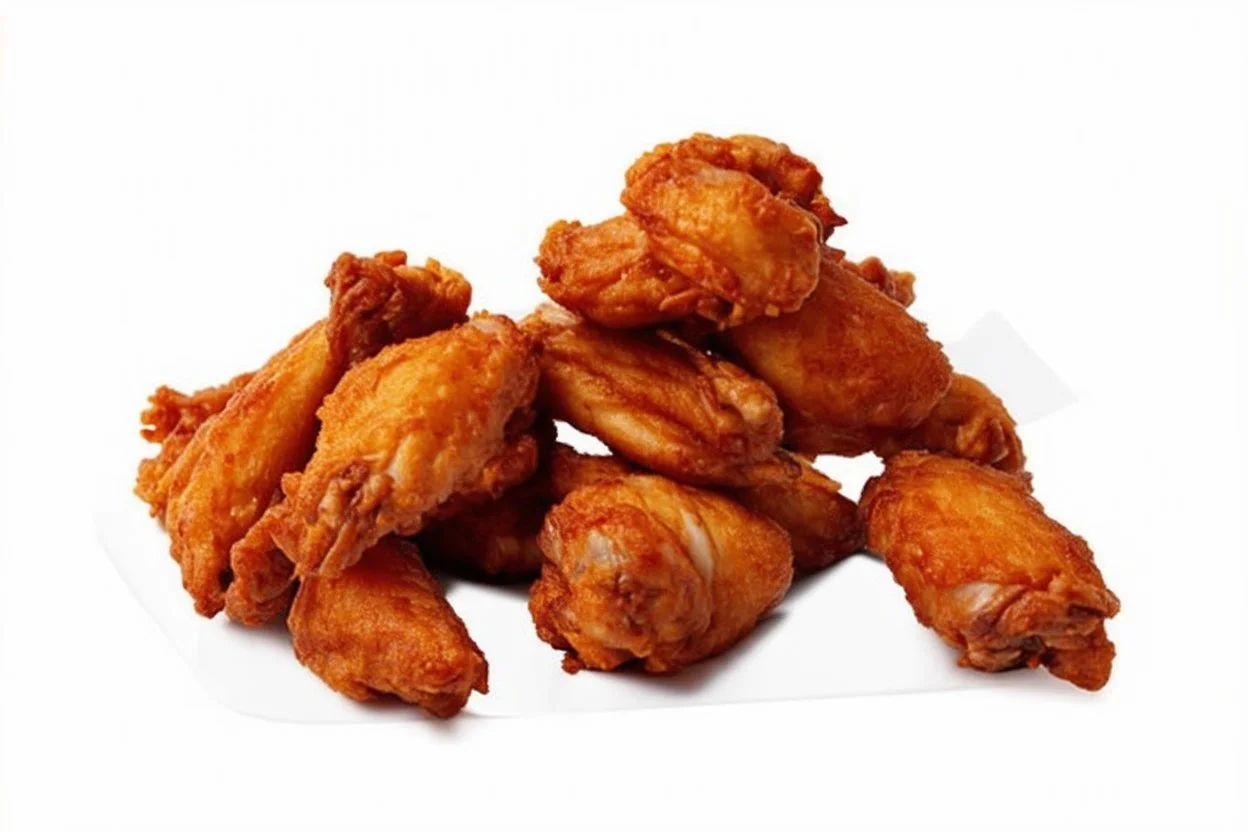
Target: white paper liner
{"x": 844, "y": 631}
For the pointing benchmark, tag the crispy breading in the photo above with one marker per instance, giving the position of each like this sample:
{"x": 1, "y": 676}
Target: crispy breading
{"x": 607, "y": 273}
{"x": 970, "y": 422}
{"x": 988, "y": 570}
{"x": 711, "y": 219}
{"x": 822, "y": 523}
{"x": 170, "y": 421}
{"x": 498, "y": 541}
{"x": 403, "y": 433}
{"x": 230, "y": 469}
{"x": 897, "y": 285}
{"x": 658, "y": 402}
{"x": 643, "y": 569}
{"x": 850, "y": 368}
{"x": 384, "y": 627}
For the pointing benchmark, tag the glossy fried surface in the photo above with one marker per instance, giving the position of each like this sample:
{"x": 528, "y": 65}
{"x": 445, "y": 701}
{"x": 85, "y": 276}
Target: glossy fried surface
{"x": 822, "y": 523}
{"x": 397, "y": 300}
{"x": 988, "y": 570}
{"x": 170, "y": 421}
{"x": 608, "y": 274}
{"x": 897, "y": 285}
{"x": 384, "y": 627}
{"x": 710, "y": 218}
{"x": 851, "y": 367}
{"x": 785, "y": 174}
{"x": 644, "y": 569}
{"x": 969, "y": 422}
{"x": 404, "y": 432}
{"x": 227, "y": 475}
{"x": 658, "y": 402}
{"x": 497, "y": 541}
{"x": 231, "y": 467}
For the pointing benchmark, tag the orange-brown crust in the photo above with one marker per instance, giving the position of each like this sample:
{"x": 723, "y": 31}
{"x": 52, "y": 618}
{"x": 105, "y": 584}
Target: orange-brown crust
{"x": 230, "y": 469}
{"x": 404, "y": 432}
{"x": 823, "y": 524}
{"x": 984, "y": 566}
{"x": 727, "y": 233}
{"x": 658, "y": 402}
{"x": 384, "y": 627}
{"x": 643, "y": 569}
{"x": 897, "y": 285}
{"x": 497, "y": 541}
{"x": 970, "y": 422}
{"x": 788, "y": 176}
{"x": 851, "y": 367}
{"x": 607, "y": 273}
{"x": 171, "y": 419}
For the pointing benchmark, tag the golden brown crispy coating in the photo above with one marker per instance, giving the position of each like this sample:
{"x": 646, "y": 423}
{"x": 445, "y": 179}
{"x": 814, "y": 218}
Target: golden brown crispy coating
{"x": 787, "y": 175}
{"x": 642, "y": 568}
{"x": 984, "y": 566}
{"x": 384, "y": 627}
{"x": 851, "y": 367}
{"x": 404, "y": 432}
{"x": 230, "y": 469}
{"x": 822, "y": 523}
{"x": 171, "y": 421}
{"x": 607, "y": 273}
{"x": 264, "y": 578}
{"x": 397, "y": 300}
{"x": 498, "y": 541}
{"x": 897, "y": 285}
{"x": 227, "y": 475}
{"x": 969, "y": 422}
{"x": 658, "y": 402}
{"x": 725, "y": 230}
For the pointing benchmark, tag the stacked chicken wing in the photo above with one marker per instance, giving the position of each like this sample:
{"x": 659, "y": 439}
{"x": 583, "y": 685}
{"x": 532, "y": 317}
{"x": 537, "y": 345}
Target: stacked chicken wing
{"x": 715, "y": 343}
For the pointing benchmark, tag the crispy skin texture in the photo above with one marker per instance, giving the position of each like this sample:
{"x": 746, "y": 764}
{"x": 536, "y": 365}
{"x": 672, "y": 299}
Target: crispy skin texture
{"x": 988, "y": 570}
{"x": 787, "y": 175}
{"x": 969, "y": 422}
{"x": 231, "y": 467}
{"x": 644, "y": 569}
{"x": 498, "y": 541}
{"x": 227, "y": 475}
{"x": 608, "y": 274}
{"x": 725, "y": 230}
{"x": 897, "y": 285}
{"x": 404, "y": 432}
{"x": 851, "y": 367}
{"x": 658, "y": 402}
{"x": 384, "y": 627}
{"x": 822, "y": 523}
{"x": 170, "y": 421}
{"x": 264, "y": 578}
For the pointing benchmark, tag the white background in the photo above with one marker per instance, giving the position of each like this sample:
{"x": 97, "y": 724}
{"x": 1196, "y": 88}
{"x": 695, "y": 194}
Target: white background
{"x": 173, "y": 184}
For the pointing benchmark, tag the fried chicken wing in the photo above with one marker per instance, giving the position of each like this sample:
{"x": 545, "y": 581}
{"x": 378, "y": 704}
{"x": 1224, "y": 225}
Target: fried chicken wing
{"x": 851, "y": 367}
{"x": 171, "y": 421}
{"x": 498, "y": 541}
{"x": 403, "y": 433}
{"x": 988, "y": 570}
{"x": 969, "y": 422}
{"x": 788, "y": 176}
{"x": 644, "y": 569}
{"x": 384, "y": 627}
{"x": 724, "y": 228}
{"x": 231, "y": 467}
{"x": 897, "y": 285}
{"x": 608, "y": 274}
{"x": 822, "y": 523}
{"x": 658, "y": 402}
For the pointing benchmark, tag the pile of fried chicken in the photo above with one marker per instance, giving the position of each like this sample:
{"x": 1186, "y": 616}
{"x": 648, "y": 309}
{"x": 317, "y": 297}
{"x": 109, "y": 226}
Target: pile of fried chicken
{"x": 716, "y": 344}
